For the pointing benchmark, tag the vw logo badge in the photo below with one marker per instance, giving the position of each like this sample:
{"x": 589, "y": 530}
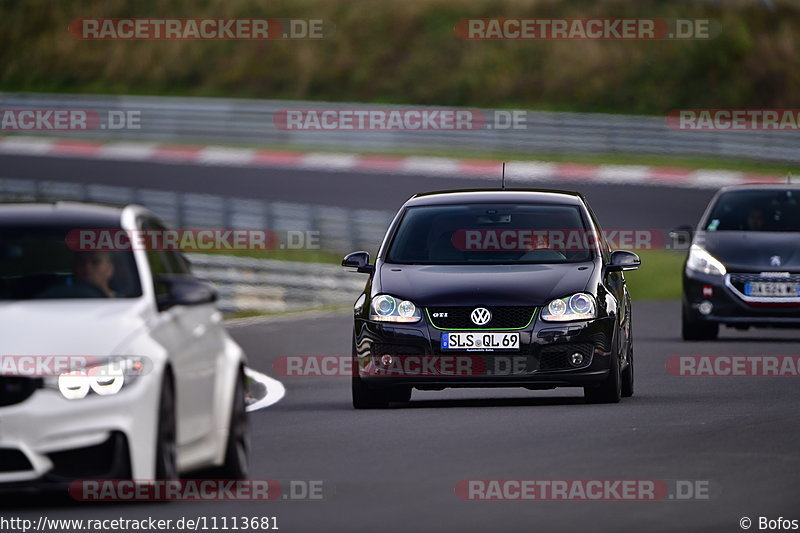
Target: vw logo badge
{"x": 480, "y": 316}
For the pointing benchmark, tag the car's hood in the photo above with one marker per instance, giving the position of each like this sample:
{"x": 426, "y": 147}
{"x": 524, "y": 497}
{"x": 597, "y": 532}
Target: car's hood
{"x": 753, "y": 250}
{"x": 68, "y": 327}
{"x": 483, "y": 284}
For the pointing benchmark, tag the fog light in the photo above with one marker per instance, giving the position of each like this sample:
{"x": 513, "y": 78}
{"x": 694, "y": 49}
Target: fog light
{"x": 705, "y": 307}
{"x": 576, "y": 359}
{"x": 386, "y": 360}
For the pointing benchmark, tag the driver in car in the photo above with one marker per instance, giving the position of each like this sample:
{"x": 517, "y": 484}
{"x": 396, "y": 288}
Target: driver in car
{"x": 92, "y": 272}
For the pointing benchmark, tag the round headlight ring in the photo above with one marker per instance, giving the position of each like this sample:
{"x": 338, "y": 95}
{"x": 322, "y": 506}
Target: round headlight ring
{"x": 557, "y": 307}
{"x": 384, "y": 305}
{"x": 580, "y": 304}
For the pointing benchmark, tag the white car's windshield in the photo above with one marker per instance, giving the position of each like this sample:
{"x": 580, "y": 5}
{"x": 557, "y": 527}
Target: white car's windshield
{"x": 36, "y": 262}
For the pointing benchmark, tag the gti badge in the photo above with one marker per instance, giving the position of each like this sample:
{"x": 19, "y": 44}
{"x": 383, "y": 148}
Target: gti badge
{"x": 775, "y": 261}
{"x": 480, "y": 316}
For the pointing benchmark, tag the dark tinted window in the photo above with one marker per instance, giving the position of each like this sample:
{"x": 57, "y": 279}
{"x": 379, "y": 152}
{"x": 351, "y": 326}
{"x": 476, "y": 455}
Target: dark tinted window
{"x": 756, "y": 210}
{"x": 36, "y": 262}
{"x": 491, "y": 234}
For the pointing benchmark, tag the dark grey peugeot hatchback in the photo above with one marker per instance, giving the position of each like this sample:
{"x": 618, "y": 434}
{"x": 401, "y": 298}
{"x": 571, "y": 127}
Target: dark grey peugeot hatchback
{"x": 492, "y": 288}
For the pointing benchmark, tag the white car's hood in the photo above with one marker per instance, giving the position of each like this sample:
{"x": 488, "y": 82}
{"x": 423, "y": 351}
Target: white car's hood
{"x": 69, "y": 327}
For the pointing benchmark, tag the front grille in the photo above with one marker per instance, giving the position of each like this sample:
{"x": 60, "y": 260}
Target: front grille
{"x": 556, "y": 356}
{"x": 14, "y": 389}
{"x": 738, "y": 279}
{"x": 507, "y": 317}
{"x": 13, "y": 460}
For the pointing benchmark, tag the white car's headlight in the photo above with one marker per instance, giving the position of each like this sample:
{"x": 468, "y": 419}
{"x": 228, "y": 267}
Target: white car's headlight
{"x": 385, "y": 308}
{"x": 701, "y": 261}
{"x": 103, "y": 379}
{"x": 579, "y": 306}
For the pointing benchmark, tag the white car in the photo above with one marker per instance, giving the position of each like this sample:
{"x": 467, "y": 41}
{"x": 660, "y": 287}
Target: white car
{"x": 163, "y": 388}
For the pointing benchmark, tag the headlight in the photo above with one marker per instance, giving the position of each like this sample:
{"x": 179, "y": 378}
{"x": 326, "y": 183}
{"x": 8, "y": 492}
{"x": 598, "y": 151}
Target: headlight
{"x": 102, "y": 379}
{"x": 579, "y": 306}
{"x": 385, "y": 308}
{"x": 701, "y": 261}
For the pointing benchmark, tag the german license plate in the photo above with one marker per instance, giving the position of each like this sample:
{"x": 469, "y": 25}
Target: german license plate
{"x": 478, "y": 340}
{"x": 771, "y": 288}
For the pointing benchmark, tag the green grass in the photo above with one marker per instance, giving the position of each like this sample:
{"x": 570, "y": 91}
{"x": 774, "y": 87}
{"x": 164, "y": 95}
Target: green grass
{"x": 305, "y": 256}
{"x": 659, "y": 277}
{"x": 406, "y": 52}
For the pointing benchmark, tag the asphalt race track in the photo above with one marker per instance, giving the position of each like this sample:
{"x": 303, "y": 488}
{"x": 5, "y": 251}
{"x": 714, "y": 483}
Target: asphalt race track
{"x": 618, "y": 206}
{"x": 396, "y": 470}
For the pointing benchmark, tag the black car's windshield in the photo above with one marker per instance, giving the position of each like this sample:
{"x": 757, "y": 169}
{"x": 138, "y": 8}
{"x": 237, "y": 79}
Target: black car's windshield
{"x": 755, "y": 210}
{"x": 491, "y": 234}
{"x": 36, "y": 262}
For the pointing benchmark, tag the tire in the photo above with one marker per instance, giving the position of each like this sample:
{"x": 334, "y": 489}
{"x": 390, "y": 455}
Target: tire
{"x": 363, "y": 396}
{"x": 628, "y": 374}
{"x": 237, "y": 448}
{"x": 400, "y": 394}
{"x": 627, "y": 377}
{"x": 610, "y": 391}
{"x": 166, "y": 441}
{"x": 693, "y": 330}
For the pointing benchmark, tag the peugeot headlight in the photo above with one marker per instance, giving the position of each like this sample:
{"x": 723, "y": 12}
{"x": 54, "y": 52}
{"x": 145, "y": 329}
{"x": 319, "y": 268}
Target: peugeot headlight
{"x": 103, "y": 379}
{"x": 701, "y": 261}
{"x": 579, "y": 306}
{"x": 385, "y": 308}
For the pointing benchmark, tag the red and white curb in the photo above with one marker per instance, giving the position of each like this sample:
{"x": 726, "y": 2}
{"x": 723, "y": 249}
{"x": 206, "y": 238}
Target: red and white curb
{"x": 517, "y": 172}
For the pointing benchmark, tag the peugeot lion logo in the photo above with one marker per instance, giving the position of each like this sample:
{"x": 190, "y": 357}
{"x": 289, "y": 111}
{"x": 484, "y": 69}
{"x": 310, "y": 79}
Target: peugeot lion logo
{"x": 480, "y": 316}
{"x": 775, "y": 260}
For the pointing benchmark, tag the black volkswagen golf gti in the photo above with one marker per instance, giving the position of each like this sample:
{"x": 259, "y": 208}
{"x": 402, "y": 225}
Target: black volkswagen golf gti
{"x": 492, "y": 288}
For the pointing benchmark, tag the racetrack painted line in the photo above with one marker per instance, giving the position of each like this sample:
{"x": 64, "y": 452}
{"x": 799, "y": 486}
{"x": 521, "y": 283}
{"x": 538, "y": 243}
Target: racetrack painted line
{"x": 275, "y": 390}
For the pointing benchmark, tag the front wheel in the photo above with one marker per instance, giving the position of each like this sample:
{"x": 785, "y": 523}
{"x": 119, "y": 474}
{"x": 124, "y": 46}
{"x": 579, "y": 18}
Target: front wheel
{"x": 610, "y": 391}
{"x": 365, "y": 398}
{"x": 693, "y": 330}
{"x": 166, "y": 443}
{"x": 237, "y": 449}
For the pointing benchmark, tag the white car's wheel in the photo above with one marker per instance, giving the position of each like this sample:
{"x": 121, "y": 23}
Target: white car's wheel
{"x": 166, "y": 447}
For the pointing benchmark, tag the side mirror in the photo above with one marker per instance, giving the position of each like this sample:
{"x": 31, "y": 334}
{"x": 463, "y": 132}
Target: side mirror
{"x": 183, "y": 290}
{"x": 623, "y": 260}
{"x": 359, "y": 261}
{"x": 681, "y": 237}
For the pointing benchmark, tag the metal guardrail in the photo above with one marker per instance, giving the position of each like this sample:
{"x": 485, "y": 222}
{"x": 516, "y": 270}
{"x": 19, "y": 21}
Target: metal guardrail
{"x": 245, "y": 284}
{"x": 263, "y": 285}
{"x": 239, "y": 121}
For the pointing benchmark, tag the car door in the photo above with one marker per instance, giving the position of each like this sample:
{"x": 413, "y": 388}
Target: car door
{"x": 194, "y": 347}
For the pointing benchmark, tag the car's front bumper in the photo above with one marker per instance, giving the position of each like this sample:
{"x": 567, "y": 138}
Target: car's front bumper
{"x": 49, "y": 439}
{"x": 730, "y": 307}
{"x": 541, "y": 362}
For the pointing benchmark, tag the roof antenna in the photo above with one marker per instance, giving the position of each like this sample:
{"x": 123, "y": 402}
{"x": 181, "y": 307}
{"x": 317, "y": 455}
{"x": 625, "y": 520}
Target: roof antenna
{"x": 503, "y": 179}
